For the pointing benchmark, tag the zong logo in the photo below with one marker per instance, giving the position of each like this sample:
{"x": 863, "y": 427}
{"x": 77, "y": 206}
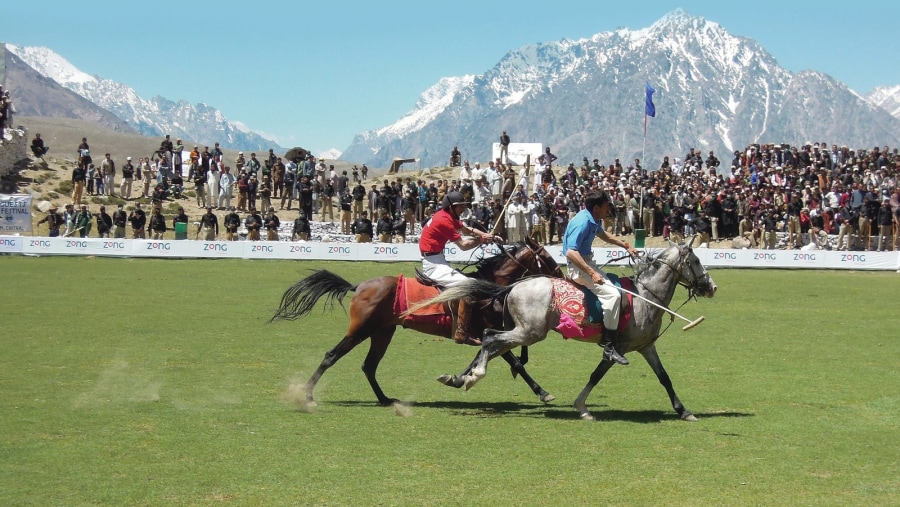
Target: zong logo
{"x": 853, "y": 257}
{"x": 339, "y": 250}
{"x": 39, "y": 243}
{"x": 301, "y": 249}
{"x": 805, "y": 257}
{"x": 8, "y": 242}
{"x": 215, "y": 247}
{"x": 155, "y": 245}
{"x": 75, "y": 244}
{"x": 725, "y": 256}
{"x": 386, "y": 250}
{"x": 262, "y": 248}
{"x": 113, "y": 245}
{"x": 764, "y": 257}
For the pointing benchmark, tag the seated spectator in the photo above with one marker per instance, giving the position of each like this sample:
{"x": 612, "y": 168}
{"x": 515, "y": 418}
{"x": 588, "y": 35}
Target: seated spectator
{"x": 177, "y": 185}
{"x": 37, "y": 146}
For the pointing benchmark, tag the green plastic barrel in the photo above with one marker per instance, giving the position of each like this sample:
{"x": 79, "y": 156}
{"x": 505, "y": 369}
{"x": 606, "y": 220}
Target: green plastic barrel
{"x": 180, "y": 230}
{"x": 639, "y": 236}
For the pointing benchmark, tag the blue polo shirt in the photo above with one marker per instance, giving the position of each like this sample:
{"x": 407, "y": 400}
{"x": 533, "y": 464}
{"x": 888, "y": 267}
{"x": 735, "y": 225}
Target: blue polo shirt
{"x": 580, "y": 233}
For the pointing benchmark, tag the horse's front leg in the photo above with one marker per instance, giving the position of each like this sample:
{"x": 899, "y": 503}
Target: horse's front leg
{"x": 598, "y": 373}
{"x": 652, "y": 358}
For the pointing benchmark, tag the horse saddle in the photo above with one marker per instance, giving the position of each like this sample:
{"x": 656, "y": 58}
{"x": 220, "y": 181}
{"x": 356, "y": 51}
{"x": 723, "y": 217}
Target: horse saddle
{"x": 580, "y": 312}
{"x": 409, "y": 292}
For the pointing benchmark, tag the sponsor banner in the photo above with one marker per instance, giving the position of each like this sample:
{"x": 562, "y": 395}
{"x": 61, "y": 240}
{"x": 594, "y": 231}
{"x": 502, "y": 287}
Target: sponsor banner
{"x": 387, "y": 252}
{"x": 15, "y": 213}
{"x": 209, "y": 249}
{"x": 158, "y": 248}
{"x": 303, "y": 250}
{"x": 339, "y": 251}
{"x": 12, "y": 244}
{"x": 75, "y": 246}
{"x": 861, "y": 260}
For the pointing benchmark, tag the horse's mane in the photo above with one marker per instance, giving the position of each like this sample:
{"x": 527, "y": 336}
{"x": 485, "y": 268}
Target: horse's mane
{"x": 647, "y": 262}
{"x": 490, "y": 264}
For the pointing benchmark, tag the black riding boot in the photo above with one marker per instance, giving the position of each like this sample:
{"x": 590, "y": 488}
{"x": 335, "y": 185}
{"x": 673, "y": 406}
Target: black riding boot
{"x": 609, "y": 346}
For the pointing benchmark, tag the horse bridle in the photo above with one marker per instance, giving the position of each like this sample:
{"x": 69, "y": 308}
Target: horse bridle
{"x": 694, "y": 284}
{"x": 534, "y": 253}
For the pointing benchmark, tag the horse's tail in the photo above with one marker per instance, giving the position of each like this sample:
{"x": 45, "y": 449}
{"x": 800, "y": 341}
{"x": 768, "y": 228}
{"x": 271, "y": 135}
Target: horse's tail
{"x": 474, "y": 289}
{"x": 301, "y": 297}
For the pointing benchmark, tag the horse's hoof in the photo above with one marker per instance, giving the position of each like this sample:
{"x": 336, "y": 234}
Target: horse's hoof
{"x": 445, "y": 379}
{"x": 689, "y": 417}
{"x": 547, "y": 398}
{"x": 308, "y": 406}
{"x": 587, "y": 417}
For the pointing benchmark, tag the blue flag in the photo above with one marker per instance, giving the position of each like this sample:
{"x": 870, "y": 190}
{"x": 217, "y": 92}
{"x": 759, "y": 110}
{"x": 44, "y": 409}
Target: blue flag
{"x": 650, "y": 109}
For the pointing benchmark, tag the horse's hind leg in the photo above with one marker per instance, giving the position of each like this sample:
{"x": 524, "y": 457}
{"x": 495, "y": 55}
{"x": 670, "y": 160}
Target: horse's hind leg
{"x": 379, "y": 343}
{"x": 598, "y": 374}
{"x": 518, "y": 367}
{"x": 332, "y": 356}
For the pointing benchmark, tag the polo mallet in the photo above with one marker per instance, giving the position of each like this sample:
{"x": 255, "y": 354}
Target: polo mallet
{"x": 690, "y": 323}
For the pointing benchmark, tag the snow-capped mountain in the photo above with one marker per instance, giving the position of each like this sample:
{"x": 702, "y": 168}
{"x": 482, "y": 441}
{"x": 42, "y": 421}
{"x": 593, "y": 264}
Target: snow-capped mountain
{"x": 585, "y": 98}
{"x": 887, "y": 98}
{"x": 200, "y": 123}
{"x": 331, "y": 154}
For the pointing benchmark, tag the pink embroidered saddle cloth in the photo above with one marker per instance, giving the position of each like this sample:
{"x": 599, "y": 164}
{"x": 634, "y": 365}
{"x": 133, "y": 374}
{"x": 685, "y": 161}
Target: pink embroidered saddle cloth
{"x": 574, "y": 319}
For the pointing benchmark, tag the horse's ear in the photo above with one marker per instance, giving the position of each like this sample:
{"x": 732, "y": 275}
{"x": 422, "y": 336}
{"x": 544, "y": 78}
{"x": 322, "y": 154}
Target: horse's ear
{"x": 691, "y": 244}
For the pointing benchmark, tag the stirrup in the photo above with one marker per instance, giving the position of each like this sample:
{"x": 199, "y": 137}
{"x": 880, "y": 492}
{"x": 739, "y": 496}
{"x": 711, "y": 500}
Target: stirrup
{"x": 610, "y": 352}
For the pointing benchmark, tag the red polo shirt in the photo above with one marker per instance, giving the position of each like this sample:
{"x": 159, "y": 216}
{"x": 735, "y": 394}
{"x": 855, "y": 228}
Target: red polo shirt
{"x": 438, "y": 231}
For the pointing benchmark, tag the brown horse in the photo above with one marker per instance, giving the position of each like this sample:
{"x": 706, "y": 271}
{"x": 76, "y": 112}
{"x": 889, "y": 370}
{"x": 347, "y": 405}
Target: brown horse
{"x": 373, "y": 315}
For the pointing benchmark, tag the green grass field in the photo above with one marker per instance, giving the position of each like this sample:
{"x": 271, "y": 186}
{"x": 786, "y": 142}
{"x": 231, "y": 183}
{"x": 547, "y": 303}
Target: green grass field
{"x": 154, "y": 382}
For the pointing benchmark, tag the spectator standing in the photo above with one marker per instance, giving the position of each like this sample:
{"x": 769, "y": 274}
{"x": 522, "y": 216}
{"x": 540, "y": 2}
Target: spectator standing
{"x": 104, "y": 223}
{"x": 127, "y": 179}
{"x": 157, "y": 223}
{"x": 301, "y": 228}
{"x": 272, "y": 224}
{"x": 119, "y": 219}
{"x": 108, "y": 167}
{"x": 83, "y": 222}
{"x": 362, "y": 228}
{"x": 327, "y": 202}
{"x": 253, "y": 223}
{"x": 226, "y": 188}
{"x": 232, "y": 224}
{"x": 346, "y": 201}
{"x": 79, "y": 174}
{"x": 54, "y": 221}
{"x": 265, "y": 193}
{"x": 209, "y": 225}
{"x": 138, "y": 220}
{"x": 385, "y": 227}
{"x": 216, "y": 168}
{"x": 885, "y": 221}
{"x": 504, "y": 148}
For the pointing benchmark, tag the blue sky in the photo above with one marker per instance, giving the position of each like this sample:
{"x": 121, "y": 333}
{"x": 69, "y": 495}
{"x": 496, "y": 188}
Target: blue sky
{"x": 316, "y": 74}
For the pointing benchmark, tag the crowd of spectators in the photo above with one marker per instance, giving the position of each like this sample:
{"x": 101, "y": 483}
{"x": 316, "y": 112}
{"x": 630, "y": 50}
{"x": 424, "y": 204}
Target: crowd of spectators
{"x": 764, "y": 196}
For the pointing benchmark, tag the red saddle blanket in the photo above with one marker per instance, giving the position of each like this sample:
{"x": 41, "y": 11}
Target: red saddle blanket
{"x": 574, "y": 321}
{"x": 410, "y": 292}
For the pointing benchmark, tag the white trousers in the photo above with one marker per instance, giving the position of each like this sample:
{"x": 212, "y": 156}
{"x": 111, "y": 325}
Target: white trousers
{"x": 438, "y": 269}
{"x": 609, "y": 295}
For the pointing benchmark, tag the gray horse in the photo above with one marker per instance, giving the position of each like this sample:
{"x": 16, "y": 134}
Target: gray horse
{"x": 530, "y": 313}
